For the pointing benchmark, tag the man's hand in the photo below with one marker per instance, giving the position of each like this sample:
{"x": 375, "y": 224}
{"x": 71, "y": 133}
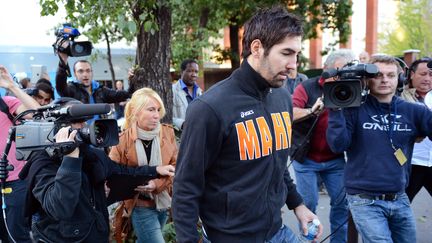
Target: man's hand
{"x": 6, "y": 80}
{"x": 167, "y": 170}
{"x": 318, "y": 106}
{"x": 304, "y": 216}
{"x": 64, "y": 136}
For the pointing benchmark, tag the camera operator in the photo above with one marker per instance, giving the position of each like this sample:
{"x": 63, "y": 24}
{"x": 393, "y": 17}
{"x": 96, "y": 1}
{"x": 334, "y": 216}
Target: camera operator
{"x": 319, "y": 160}
{"x": 378, "y": 137}
{"x": 16, "y": 222}
{"x": 84, "y": 88}
{"x": 66, "y": 193}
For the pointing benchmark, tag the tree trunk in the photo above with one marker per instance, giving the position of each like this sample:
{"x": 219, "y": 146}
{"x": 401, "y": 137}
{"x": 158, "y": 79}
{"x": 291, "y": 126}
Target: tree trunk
{"x": 110, "y": 64}
{"x": 234, "y": 41}
{"x": 153, "y": 58}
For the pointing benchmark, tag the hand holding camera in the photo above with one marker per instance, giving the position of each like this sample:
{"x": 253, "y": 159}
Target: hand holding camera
{"x": 66, "y": 44}
{"x": 63, "y": 136}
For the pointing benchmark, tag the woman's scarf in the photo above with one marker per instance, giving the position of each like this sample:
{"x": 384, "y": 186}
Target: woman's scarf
{"x": 162, "y": 200}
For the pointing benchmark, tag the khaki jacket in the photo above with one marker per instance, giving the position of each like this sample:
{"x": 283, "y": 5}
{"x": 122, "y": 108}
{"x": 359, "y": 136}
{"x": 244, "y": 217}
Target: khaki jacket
{"x": 125, "y": 153}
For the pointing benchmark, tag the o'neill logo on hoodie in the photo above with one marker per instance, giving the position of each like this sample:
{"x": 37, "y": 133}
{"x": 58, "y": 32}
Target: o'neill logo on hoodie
{"x": 381, "y": 123}
{"x": 255, "y": 138}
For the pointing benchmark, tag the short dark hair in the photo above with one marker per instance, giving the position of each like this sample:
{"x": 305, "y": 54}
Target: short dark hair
{"x": 270, "y": 26}
{"x": 184, "y": 64}
{"x": 45, "y": 88}
{"x": 82, "y": 61}
{"x": 415, "y": 64}
{"x": 45, "y": 81}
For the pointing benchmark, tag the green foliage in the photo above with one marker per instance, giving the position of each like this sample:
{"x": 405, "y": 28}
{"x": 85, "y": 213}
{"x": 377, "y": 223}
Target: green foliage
{"x": 189, "y": 38}
{"x": 413, "y": 30}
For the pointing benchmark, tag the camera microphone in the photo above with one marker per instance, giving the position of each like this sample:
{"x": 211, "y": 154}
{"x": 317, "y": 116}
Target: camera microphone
{"x": 81, "y": 110}
{"x": 88, "y": 110}
{"x": 328, "y": 73}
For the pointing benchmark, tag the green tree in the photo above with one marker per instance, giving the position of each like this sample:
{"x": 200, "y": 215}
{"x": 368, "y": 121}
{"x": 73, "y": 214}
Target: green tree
{"x": 329, "y": 14}
{"x": 413, "y": 29}
{"x": 148, "y": 22}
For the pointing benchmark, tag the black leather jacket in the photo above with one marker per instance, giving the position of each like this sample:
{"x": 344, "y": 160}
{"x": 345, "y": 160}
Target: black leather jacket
{"x": 67, "y": 195}
{"x": 78, "y": 91}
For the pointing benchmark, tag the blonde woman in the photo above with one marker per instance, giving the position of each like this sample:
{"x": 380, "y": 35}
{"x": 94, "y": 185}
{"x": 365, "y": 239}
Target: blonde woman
{"x": 145, "y": 141}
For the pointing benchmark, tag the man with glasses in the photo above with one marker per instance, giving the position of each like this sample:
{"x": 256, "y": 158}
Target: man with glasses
{"x": 84, "y": 88}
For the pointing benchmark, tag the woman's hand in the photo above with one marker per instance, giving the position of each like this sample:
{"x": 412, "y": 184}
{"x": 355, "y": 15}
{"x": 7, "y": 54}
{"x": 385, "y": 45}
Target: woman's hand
{"x": 150, "y": 187}
{"x": 167, "y": 170}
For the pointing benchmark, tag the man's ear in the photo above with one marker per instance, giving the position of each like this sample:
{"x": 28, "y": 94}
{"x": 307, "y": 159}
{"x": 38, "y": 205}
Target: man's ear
{"x": 256, "y": 48}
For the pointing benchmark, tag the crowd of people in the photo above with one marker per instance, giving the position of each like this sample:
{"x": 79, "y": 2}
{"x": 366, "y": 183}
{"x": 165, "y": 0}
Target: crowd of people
{"x": 231, "y": 168}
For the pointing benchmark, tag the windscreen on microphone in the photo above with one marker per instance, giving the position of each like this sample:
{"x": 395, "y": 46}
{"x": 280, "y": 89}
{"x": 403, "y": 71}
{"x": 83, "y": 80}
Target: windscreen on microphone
{"x": 328, "y": 73}
{"x": 88, "y": 110}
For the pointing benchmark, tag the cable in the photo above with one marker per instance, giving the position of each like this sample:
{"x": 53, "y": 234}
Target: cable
{"x": 332, "y": 233}
{"x": 4, "y": 217}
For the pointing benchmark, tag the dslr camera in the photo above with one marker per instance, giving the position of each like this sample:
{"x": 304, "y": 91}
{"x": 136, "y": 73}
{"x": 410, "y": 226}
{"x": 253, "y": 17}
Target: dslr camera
{"x": 38, "y": 134}
{"x": 349, "y": 88}
{"x": 75, "y": 48}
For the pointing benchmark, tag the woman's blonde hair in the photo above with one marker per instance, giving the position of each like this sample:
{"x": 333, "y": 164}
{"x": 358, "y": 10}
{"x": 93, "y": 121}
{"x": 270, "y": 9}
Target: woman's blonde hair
{"x": 140, "y": 98}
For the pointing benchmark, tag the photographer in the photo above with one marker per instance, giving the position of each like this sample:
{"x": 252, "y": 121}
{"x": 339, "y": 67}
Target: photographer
{"x": 66, "y": 193}
{"x": 84, "y": 88}
{"x": 14, "y": 200}
{"x": 378, "y": 137}
{"x": 319, "y": 160}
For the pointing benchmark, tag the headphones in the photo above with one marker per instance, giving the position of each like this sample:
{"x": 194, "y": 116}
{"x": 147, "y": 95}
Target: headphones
{"x": 402, "y": 76}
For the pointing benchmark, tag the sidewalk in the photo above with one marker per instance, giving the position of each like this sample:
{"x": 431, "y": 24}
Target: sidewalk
{"x": 421, "y": 207}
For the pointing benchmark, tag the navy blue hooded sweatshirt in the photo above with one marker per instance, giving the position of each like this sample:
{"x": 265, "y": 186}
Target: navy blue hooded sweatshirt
{"x": 232, "y": 165}
{"x": 363, "y": 133}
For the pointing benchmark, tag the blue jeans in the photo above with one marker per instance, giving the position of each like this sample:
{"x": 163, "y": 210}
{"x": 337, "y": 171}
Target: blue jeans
{"x": 284, "y": 235}
{"x": 18, "y": 225}
{"x": 331, "y": 173}
{"x": 148, "y": 223}
{"x": 383, "y": 221}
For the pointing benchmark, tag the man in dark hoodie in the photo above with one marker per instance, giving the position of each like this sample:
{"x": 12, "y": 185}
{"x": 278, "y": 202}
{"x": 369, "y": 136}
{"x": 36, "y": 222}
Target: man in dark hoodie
{"x": 233, "y": 173}
{"x": 84, "y": 88}
{"x": 378, "y": 138}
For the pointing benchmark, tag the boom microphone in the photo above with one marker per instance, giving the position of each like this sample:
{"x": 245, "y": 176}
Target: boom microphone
{"x": 80, "y": 110}
{"x": 329, "y": 73}
{"x": 88, "y": 110}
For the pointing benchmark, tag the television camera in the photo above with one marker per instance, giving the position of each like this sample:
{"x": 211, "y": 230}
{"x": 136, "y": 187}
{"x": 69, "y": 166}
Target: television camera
{"x": 38, "y": 134}
{"x": 74, "y": 48}
{"x": 349, "y": 88}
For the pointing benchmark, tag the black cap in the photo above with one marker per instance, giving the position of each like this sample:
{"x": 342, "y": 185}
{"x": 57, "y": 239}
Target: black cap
{"x": 429, "y": 65}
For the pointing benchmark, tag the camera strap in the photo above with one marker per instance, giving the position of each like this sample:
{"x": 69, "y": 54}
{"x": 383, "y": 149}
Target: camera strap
{"x": 5, "y": 109}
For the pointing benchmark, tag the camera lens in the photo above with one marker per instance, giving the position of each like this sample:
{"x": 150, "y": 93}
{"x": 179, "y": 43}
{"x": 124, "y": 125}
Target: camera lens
{"x": 343, "y": 92}
{"x": 78, "y": 48}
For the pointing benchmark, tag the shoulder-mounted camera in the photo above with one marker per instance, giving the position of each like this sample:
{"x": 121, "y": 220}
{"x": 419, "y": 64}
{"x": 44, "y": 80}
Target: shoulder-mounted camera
{"x": 349, "y": 86}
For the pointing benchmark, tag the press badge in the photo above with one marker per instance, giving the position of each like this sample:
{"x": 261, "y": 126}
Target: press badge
{"x": 400, "y": 156}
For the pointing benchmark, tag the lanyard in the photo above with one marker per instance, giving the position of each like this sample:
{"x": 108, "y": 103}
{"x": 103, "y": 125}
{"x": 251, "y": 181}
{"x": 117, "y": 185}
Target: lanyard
{"x": 391, "y": 121}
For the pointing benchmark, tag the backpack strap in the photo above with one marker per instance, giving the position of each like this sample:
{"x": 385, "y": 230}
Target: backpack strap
{"x": 5, "y": 109}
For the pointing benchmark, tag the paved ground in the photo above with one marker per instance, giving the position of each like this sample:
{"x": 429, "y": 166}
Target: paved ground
{"x": 421, "y": 206}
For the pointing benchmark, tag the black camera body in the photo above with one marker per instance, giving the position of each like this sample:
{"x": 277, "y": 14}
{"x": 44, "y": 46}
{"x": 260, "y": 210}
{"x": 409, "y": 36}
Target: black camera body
{"x": 38, "y": 134}
{"x": 74, "y": 48}
{"x": 349, "y": 88}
